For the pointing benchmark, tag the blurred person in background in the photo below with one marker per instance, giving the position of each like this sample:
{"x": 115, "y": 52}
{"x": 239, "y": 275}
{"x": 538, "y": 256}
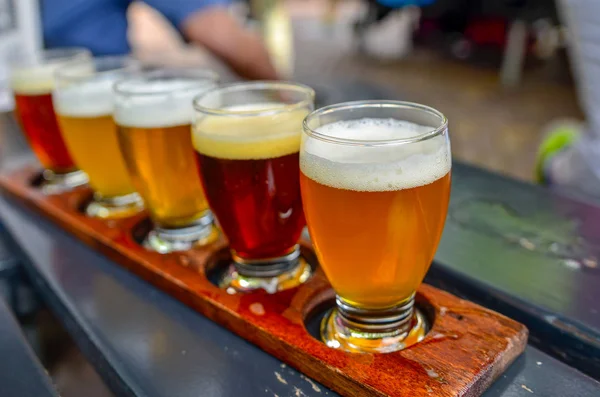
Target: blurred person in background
{"x": 386, "y": 30}
{"x": 569, "y": 157}
{"x": 101, "y": 26}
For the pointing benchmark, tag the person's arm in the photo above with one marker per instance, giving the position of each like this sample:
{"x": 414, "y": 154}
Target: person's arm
{"x": 217, "y": 30}
{"x": 209, "y": 23}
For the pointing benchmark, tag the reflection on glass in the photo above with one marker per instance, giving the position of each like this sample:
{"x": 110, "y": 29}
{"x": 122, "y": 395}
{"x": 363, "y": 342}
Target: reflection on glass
{"x": 247, "y": 138}
{"x": 32, "y": 81}
{"x": 83, "y": 99}
{"x": 153, "y": 112}
{"x": 375, "y": 186}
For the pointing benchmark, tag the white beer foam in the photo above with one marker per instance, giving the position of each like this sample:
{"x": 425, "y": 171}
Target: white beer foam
{"x": 156, "y": 104}
{"x": 85, "y": 99}
{"x": 36, "y": 80}
{"x": 378, "y": 168}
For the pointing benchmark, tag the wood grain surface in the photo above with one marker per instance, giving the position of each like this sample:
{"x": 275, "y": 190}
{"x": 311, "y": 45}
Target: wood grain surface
{"x": 467, "y": 347}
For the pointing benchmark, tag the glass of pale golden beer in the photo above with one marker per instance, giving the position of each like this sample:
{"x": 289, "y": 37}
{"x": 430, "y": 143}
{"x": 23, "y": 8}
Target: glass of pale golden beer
{"x": 153, "y": 113}
{"x": 247, "y": 141}
{"x": 83, "y": 100}
{"x": 375, "y": 178}
{"x": 32, "y": 81}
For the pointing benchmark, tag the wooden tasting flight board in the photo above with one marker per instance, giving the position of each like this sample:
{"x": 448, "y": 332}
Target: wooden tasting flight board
{"x": 467, "y": 348}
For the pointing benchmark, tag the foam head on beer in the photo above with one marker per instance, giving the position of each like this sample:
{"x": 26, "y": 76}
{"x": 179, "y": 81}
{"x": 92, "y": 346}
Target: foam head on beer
{"x": 33, "y": 74}
{"x": 153, "y": 113}
{"x": 248, "y": 159}
{"x": 83, "y": 89}
{"x": 257, "y": 131}
{"x": 34, "y": 80}
{"x": 86, "y": 99}
{"x": 157, "y": 103}
{"x": 375, "y": 193}
{"x": 381, "y": 167}
{"x": 83, "y": 100}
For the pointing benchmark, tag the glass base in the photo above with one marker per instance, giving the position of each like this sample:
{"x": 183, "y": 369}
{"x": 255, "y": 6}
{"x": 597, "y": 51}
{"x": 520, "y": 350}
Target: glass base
{"x": 114, "y": 207}
{"x": 54, "y": 183}
{"x": 356, "y": 330}
{"x": 201, "y": 232}
{"x": 271, "y": 275}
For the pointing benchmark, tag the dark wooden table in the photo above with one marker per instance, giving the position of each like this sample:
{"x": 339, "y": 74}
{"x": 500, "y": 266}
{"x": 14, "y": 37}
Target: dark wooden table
{"x": 144, "y": 343}
{"x": 514, "y": 247}
{"x": 529, "y": 253}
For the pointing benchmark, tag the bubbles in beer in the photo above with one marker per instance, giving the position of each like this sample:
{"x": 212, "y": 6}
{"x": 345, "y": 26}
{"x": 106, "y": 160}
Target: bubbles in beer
{"x": 383, "y": 167}
{"x": 256, "y": 131}
{"x": 155, "y": 104}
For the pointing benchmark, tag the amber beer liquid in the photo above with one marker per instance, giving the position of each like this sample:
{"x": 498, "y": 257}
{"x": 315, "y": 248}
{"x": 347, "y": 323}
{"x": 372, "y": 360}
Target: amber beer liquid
{"x": 35, "y": 112}
{"x": 375, "y": 215}
{"x": 162, "y": 166}
{"x": 85, "y": 116}
{"x": 250, "y": 173}
{"x": 157, "y": 146}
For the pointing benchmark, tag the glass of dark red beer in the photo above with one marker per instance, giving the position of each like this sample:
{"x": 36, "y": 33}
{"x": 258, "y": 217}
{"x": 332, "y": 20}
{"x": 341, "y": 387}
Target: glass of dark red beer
{"x": 32, "y": 82}
{"x": 247, "y": 142}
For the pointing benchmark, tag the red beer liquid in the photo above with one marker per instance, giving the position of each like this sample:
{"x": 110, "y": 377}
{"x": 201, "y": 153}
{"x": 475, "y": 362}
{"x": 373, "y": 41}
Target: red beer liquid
{"x": 257, "y": 202}
{"x": 35, "y": 113}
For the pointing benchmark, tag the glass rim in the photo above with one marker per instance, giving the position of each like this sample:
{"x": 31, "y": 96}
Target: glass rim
{"x": 258, "y": 85}
{"x": 200, "y": 74}
{"x": 46, "y": 56}
{"x": 62, "y": 72}
{"x": 376, "y": 103}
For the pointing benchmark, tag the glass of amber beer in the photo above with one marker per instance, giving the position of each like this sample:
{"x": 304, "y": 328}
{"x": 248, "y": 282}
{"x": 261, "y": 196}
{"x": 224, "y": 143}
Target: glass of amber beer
{"x": 375, "y": 178}
{"x": 32, "y": 81}
{"x": 247, "y": 141}
{"x": 153, "y": 113}
{"x": 83, "y": 99}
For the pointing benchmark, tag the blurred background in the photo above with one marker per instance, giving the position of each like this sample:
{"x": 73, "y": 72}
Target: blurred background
{"x": 498, "y": 69}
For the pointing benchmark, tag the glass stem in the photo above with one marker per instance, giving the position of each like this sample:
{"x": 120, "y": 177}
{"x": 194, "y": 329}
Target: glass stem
{"x": 267, "y": 268}
{"x": 394, "y": 320}
{"x": 270, "y": 274}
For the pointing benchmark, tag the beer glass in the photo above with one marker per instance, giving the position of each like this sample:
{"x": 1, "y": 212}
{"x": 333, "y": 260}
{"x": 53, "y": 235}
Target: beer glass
{"x": 32, "y": 81}
{"x": 375, "y": 178}
{"x": 83, "y": 99}
{"x": 247, "y": 139}
{"x": 153, "y": 113}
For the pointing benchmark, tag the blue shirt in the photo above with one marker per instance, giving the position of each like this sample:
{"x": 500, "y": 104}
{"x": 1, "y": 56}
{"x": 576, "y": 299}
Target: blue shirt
{"x": 101, "y": 25}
